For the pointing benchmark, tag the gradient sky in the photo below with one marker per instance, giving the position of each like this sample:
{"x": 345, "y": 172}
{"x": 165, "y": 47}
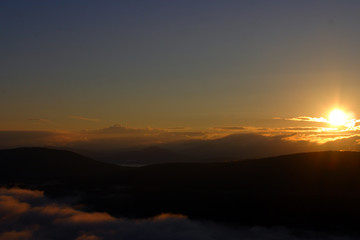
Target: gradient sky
{"x": 74, "y": 65}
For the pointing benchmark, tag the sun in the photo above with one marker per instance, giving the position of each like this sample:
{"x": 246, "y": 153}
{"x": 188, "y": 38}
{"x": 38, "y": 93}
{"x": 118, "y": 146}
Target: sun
{"x": 337, "y": 117}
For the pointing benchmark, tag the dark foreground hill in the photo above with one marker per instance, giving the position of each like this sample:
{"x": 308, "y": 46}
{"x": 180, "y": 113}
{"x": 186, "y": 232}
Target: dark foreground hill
{"x": 43, "y": 164}
{"x": 309, "y": 190}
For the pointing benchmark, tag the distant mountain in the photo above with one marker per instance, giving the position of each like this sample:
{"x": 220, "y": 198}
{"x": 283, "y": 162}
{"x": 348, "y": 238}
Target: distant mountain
{"x": 146, "y": 156}
{"x": 152, "y": 155}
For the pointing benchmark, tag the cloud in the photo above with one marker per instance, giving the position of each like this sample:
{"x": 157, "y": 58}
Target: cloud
{"x": 21, "y": 194}
{"x": 14, "y": 235}
{"x": 301, "y": 129}
{"x": 84, "y": 118}
{"x": 120, "y": 137}
{"x": 307, "y": 119}
{"x": 88, "y": 237}
{"x": 88, "y": 218}
{"x": 50, "y": 220}
{"x": 268, "y": 141}
{"x": 10, "y": 207}
{"x": 120, "y": 129}
{"x": 230, "y": 128}
{"x": 243, "y": 146}
{"x": 116, "y": 136}
{"x": 349, "y": 123}
{"x": 11, "y": 139}
{"x": 166, "y": 216}
{"x": 254, "y": 145}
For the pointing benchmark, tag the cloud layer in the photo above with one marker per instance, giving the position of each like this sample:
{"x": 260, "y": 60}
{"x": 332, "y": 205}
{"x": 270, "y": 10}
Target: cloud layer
{"x": 28, "y": 215}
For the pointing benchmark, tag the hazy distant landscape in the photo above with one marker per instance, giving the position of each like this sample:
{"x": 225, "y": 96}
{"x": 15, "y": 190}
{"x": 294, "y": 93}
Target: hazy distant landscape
{"x": 230, "y": 148}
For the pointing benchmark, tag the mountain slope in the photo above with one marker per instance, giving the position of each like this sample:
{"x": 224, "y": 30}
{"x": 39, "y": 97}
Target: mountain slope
{"x": 319, "y": 190}
{"x": 149, "y": 155}
{"x": 318, "y": 171}
{"x": 42, "y": 163}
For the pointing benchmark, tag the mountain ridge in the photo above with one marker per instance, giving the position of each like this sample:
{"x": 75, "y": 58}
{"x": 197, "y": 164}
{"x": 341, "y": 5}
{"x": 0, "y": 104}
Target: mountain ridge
{"x": 36, "y": 162}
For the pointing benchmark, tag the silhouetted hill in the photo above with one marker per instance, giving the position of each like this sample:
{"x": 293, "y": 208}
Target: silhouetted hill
{"x": 319, "y": 190}
{"x": 42, "y": 163}
{"x": 301, "y": 171}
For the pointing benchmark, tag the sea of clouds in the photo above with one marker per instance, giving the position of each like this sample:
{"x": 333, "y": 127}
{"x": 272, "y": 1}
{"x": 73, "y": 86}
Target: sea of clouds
{"x": 29, "y": 215}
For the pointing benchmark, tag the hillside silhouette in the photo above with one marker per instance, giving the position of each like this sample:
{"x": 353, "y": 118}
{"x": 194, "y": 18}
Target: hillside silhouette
{"x": 44, "y": 164}
{"x": 317, "y": 190}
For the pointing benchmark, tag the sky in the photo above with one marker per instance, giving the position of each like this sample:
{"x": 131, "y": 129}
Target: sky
{"x": 180, "y": 69}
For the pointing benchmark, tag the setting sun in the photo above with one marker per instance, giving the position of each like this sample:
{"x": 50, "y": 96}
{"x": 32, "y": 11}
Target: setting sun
{"x": 337, "y": 117}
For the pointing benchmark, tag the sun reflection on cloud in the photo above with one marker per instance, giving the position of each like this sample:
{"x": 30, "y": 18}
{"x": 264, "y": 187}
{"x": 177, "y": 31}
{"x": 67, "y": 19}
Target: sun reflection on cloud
{"x": 340, "y": 125}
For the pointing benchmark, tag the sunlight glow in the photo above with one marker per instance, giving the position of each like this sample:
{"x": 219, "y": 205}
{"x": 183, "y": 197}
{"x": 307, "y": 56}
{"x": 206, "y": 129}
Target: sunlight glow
{"x": 337, "y": 117}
